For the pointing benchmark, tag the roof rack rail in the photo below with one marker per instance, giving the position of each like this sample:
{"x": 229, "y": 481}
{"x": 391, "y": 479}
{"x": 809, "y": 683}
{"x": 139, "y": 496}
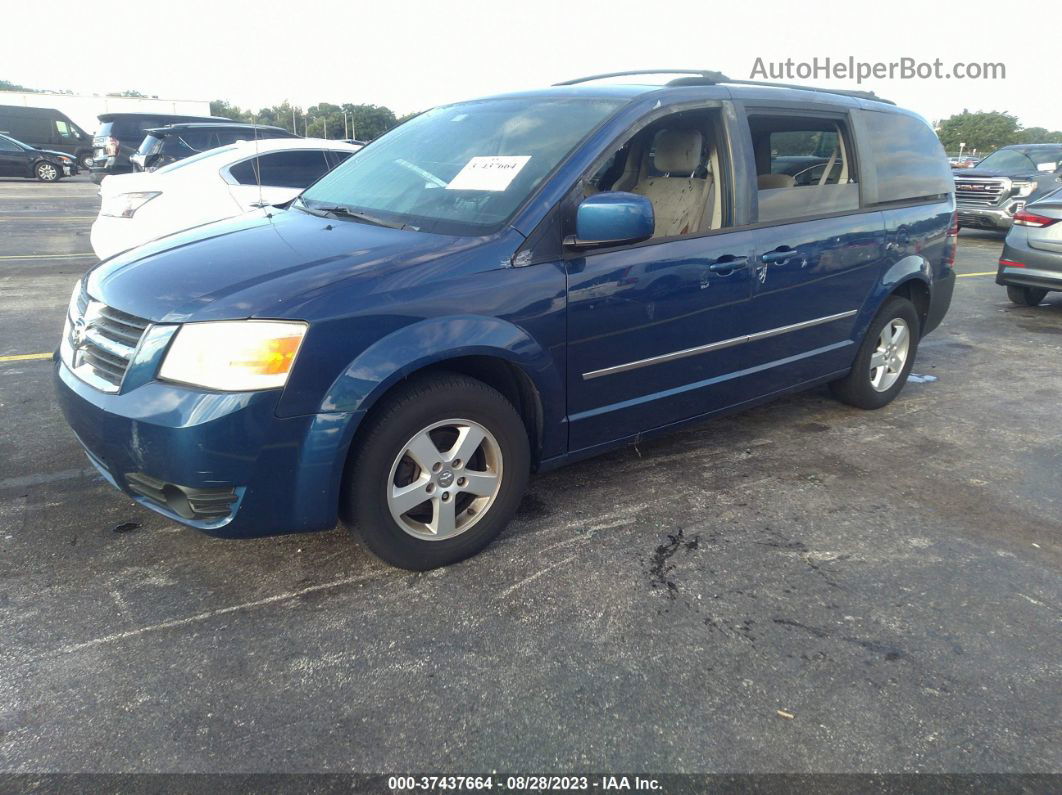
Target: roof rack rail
{"x": 703, "y": 77}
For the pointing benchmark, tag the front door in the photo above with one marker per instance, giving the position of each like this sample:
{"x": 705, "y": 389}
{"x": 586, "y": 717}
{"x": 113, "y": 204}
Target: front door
{"x": 655, "y": 333}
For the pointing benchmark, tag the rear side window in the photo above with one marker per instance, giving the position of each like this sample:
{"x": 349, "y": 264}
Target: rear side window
{"x": 297, "y": 169}
{"x": 907, "y": 157}
{"x": 804, "y": 166}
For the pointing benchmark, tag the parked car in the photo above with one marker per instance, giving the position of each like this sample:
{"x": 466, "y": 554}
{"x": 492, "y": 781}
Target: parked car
{"x": 990, "y": 194}
{"x": 502, "y": 285}
{"x": 120, "y": 134}
{"x": 47, "y": 129}
{"x": 18, "y": 159}
{"x": 164, "y": 145}
{"x": 216, "y": 184}
{"x": 1031, "y": 264}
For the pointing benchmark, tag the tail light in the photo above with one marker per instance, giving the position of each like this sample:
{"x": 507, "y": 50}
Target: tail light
{"x": 110, "y": 147}
{"x": 951, "y": 244}
{"x": 1026, "y": 218}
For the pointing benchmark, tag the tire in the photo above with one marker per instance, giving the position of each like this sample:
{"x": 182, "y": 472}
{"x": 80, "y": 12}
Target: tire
{"x": 871, "y": 387}
{"x": 85, "y": 161}
{"x": 1026, "y": 296}
{"x": 47, "y": 172}
{"x": 444, "y": 410}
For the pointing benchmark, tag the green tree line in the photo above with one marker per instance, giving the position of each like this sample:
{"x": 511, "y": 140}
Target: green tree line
{"x": 323, "y": 120}
{"x": 987, "y": 131}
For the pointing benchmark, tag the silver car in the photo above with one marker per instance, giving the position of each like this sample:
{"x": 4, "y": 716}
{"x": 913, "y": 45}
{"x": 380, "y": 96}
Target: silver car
{"x": 1031, "y": 263}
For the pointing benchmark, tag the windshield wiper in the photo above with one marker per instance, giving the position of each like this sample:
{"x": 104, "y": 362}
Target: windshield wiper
{"x": 346, "y": 212}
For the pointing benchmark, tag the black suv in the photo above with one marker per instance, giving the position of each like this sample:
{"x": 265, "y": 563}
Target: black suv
{"x": 120, "y": 134}
{"x": 164, "y": 145}
{"x": 989, "y": 195}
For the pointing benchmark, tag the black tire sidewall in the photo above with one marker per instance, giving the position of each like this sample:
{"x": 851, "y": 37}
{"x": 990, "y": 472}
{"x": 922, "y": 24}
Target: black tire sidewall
{"x": 856, "y": 388}
{"x": 415, "y": 408}
{"x": 1026, "y": 296}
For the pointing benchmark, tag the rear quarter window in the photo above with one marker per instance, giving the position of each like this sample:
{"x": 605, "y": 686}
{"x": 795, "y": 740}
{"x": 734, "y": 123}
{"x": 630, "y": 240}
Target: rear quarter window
{"x": 906, "y": 156}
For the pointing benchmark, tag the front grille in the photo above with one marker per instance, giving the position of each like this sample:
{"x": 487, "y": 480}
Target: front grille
{"x": 186, "y": 502}
{"x": 102, "y": 341}
{"x": 981, "y": 192}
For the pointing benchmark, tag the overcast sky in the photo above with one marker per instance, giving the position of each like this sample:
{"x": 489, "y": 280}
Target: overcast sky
{"x": 412, "y": 55}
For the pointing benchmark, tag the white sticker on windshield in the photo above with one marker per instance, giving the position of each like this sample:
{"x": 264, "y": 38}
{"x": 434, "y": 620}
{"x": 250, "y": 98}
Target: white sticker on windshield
{"x": 1045, "y": 167}
{"x": 493, "y": 173}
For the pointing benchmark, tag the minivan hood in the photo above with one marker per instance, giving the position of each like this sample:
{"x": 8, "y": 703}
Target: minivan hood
{"x": 267, "y": 262}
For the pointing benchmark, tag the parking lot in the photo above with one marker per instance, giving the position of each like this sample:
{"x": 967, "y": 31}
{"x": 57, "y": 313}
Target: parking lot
{"x": 801, "y": 587}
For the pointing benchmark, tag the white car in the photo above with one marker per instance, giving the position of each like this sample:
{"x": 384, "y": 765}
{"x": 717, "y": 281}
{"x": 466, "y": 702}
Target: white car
{"x": 213, "y": 185}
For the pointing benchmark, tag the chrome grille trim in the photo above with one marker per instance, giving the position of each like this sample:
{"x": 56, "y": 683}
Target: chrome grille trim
{"x": 99, "y": 342}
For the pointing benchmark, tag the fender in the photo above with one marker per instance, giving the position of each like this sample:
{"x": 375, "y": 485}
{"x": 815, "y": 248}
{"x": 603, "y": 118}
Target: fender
{"x": 912, "y": 267}
{"x": 411, "y": 348}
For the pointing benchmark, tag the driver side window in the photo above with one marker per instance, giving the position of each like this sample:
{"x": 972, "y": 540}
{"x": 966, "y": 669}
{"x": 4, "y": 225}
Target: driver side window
{"x": 673, "y": 162}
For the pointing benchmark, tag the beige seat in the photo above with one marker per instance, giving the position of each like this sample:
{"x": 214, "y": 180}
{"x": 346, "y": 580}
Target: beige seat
{"x": 678, "y": 197}
{"x": 768, "y": 181}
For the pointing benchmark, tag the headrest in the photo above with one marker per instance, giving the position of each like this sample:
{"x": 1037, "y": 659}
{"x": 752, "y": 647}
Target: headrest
{"x": 678, "y": 151}
{"x": 768, "y": 181}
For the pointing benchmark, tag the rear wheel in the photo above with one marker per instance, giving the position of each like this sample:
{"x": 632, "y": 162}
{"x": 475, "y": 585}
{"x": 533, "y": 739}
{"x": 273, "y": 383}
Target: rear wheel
{"x": 46, "y": 172}
{"x": 439, "y": 472}
{"x": 885, "y": 357}
{"x": 86, "y": 161}
{"x": 1026, "y": 296}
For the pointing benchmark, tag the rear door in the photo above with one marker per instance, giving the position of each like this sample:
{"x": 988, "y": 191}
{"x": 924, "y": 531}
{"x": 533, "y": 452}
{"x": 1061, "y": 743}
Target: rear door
{"x": 819, "y": 253}
{"x": 275, "y": 177}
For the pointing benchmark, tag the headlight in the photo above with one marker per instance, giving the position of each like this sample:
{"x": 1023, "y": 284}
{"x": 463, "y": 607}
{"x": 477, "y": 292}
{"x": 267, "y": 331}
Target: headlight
{"x": 234, "y": 355}
{"x": 1025, "y": 188}
{"x": 123, "y": 205}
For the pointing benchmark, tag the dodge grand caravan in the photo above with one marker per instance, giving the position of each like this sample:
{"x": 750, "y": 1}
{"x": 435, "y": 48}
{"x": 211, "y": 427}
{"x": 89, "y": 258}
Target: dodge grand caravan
{"x": 506, "y": 285}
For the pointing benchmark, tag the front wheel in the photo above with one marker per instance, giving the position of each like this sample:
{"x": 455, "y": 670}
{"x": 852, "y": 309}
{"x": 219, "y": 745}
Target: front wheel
{"x": 438, "y": 473}
{"x": 884, "y": 359}
{"x": 1026, "y": 296}
{"x": 86, "y": 161}
{"x": 46, "y": 172}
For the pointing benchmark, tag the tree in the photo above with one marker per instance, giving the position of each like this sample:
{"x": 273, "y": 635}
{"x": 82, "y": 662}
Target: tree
{"x": 1039, "y": 135}
{"x": 221, "y": 107}
{"x": 983, "y": 131}
{"x": 7, "y": 85}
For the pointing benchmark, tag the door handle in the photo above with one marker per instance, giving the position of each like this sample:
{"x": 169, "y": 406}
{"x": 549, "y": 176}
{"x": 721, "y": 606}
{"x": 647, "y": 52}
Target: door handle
{"x": 728, "y": 263}
{"x": 779, "y": 256}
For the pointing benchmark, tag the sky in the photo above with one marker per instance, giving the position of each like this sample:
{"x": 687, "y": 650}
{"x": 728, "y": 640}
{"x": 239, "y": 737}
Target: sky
{"x": 410, "y": 56}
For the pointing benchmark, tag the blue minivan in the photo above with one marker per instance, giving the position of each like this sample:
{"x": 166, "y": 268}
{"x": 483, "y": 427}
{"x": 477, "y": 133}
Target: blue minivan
{"x": 507, "y": 285}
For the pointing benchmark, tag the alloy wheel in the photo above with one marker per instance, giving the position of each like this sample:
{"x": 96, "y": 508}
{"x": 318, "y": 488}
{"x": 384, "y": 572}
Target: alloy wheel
{"x": 890, "y": 355}
{"x": 444, "y": 479}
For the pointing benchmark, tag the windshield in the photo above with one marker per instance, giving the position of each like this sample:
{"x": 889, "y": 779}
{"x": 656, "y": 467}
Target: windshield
{"x": 461, "y": 169}
{"x": 221, "y": 150}
{"x": 1023, "y": 160}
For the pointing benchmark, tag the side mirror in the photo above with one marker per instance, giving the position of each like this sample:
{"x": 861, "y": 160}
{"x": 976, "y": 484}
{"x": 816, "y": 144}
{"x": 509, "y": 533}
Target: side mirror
{"x": 612, "y": 219}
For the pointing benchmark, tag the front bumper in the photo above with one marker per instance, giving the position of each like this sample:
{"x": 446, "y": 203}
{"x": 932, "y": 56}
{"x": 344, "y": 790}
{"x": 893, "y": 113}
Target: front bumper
{"x": 988, "y": 217}
{"x": 257, "y": 473}
{"x": 1038, "y": 268}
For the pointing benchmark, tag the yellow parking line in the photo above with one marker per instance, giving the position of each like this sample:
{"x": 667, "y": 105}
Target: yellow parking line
{"x": 45, "y": 256}
{"x": 983, "y": 273}
{"x": 24, "y": 357}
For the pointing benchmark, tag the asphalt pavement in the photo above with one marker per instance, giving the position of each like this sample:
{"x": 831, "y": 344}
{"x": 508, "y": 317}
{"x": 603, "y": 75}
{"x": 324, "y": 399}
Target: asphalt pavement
{"x": 802, "y": 587}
